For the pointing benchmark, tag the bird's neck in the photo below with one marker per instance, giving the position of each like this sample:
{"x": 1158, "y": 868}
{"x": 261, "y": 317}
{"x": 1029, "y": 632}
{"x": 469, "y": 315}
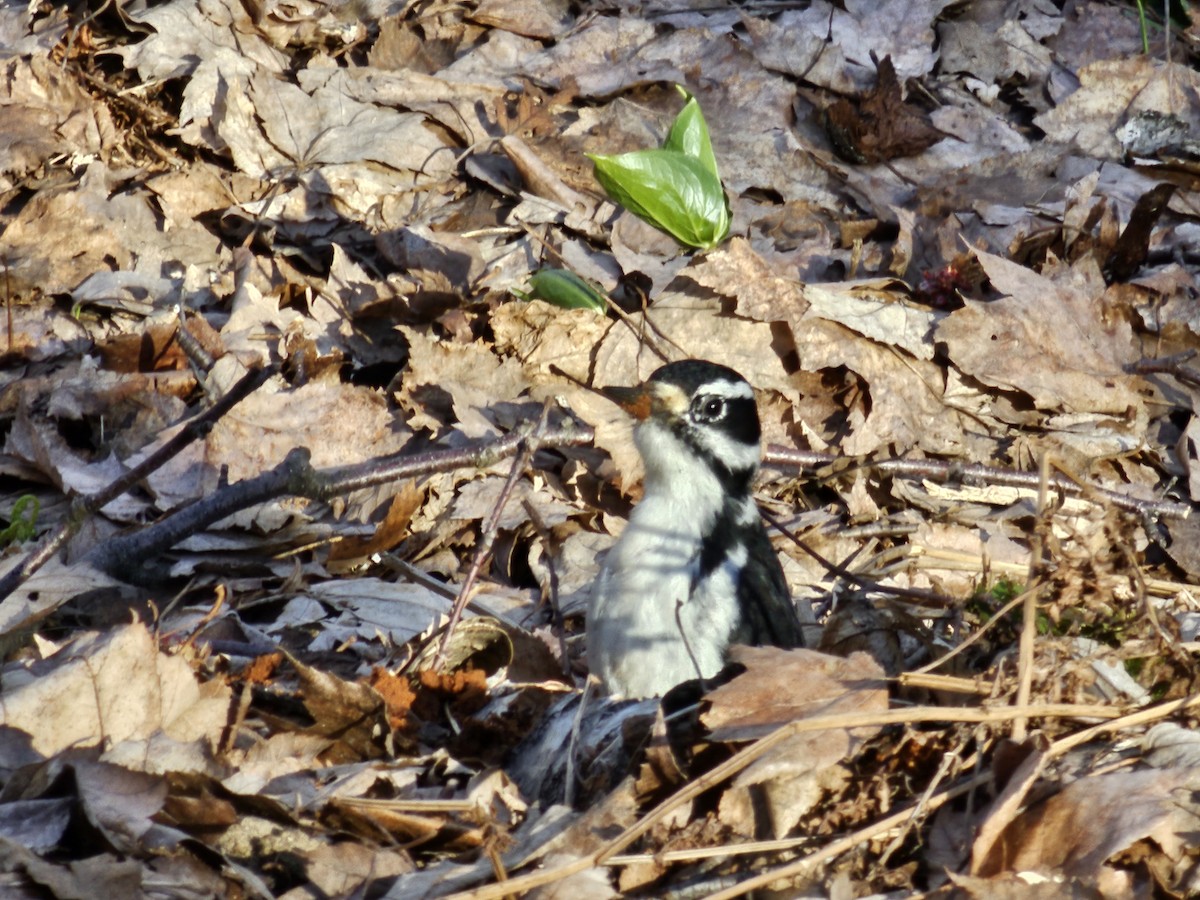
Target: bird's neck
{"x": 691, "y": 502}
{"x": 682, "y": 482}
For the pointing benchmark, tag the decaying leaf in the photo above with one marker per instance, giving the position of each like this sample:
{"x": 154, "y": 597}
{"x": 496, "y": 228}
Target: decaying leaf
{"x": 120, "y": 687}
{"x": 779, "y": 687}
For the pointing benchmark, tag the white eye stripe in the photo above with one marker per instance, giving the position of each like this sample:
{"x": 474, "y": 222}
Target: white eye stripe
{"x": 727, "y": 390}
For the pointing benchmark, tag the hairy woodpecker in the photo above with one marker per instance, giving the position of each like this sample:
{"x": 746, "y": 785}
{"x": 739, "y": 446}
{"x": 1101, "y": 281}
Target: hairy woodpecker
{"x": 693, "y": 572}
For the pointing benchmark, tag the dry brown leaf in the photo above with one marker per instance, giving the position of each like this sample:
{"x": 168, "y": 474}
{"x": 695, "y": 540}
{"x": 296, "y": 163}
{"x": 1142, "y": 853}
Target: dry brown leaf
{"x": 541, "y": 335}
{"x": 1049, "y": 339}
{"x": 37, "y": 824}
{"x": 736, "y": 271}
{"x": 906, "y": 408}
{"x": 350, "y": 712}
{"x": 880, "y": 125}
{"x": 1076, "y": 831}
{"x": 46, "y": 112}
{"x": 41, "y": 445}
{"x": 340, "y": 869}
{"x": 105, "y": 874}
{"x": 367, "y": 607}
{"x": 272, "y": 759}
{"x": 340, "y": 424}
{"x": 532, "y": 18}
{"x": 391, "y": 531}
{"x": 120, "y": 803}
{"x": 50, "y": 587}
{"x": 781, "y": 686}
{"x": 477, "y": 499}
{"x": 470, "y": 376}
{"x": 113, "y": 687}
{"x": 1112, "y": 90}
{"x": 96, "y": 212}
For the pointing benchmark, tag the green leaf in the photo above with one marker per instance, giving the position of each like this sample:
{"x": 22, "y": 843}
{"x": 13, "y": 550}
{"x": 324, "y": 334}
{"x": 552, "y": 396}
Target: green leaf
{"x": 689, "y": 135}
{"x": 564, "y": 289}
{"x": 673, "y": 191}
{"x": 24, "y": 521}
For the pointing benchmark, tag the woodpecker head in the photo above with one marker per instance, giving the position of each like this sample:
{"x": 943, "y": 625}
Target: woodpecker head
{"x": 694, "y": 415}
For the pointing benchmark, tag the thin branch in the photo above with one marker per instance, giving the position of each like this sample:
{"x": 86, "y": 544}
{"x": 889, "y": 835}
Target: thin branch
{"x": 83, "y": 507}
{"x": 974, "y": 473}
{"x": 295, "y": 476}
{"x": 1025, "y": 647}
{"x": 1169, "y": 365}
{"x": 527, "y": 446}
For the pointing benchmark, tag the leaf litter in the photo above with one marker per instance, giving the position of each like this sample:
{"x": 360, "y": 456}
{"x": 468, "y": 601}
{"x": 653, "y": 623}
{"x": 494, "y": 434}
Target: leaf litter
{"x": 963, "y": 249}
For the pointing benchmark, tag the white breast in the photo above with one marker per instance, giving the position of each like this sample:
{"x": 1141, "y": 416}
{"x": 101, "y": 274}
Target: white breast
{"x": 647, "y": 631}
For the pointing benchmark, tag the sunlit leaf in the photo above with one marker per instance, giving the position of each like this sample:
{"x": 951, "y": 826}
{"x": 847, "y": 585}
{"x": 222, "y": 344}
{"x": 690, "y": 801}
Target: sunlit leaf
{"x": 564, "y": 289}
{"x": 677, "y": 188}
{"x": 674, "y": 192}
{"x": 689, "y": 135}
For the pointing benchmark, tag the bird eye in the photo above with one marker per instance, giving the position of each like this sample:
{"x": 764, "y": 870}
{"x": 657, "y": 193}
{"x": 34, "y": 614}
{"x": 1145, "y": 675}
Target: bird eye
{"x": 709, "y": 409}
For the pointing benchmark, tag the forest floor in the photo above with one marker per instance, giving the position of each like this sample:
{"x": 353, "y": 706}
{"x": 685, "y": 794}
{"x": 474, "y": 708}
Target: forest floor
{"x": 273, "y": 410}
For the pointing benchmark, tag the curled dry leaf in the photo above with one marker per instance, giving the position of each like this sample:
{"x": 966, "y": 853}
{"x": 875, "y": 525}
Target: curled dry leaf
{"x": 1079, "y": 829}
{"x": 782, "y": 686}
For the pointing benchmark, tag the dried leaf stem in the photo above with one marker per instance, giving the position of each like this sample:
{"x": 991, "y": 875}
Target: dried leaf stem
{"x": 526, "y": 447}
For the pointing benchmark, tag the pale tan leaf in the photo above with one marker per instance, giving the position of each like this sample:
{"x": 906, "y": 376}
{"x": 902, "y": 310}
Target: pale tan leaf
{"x": 340, "y": 424}
{"x": 1048, "y": 338}
{"x": 781, "y": 686}
{"x": 108, "y": 688}
{"x": 532, "y": 18}
{"x": 1111, "y": 91}
{"x": 541, "y": 335}
{"x": 471, "y": 376}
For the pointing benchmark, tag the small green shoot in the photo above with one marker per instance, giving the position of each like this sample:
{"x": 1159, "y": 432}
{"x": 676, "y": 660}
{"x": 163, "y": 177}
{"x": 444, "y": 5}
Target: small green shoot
{"x": 676, "y": 188}
{"x": 24, "y": 521}
{"x": 986, "y": 601}
{"x": 564, "y": 289}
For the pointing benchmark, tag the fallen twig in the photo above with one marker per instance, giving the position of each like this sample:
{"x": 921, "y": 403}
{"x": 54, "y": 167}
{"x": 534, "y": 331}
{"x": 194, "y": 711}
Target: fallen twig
{"x": 1169, "y": 365}
{"x": 83, "y": 507}
{"x": 295, "y": 476}
{"x": 527, "y": 446}
{"x": 1029, "y": 606}
{"x": 946, "y": 471}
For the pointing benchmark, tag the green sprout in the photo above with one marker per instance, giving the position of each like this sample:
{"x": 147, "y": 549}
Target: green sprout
{"x": 676, "y": 188}
{"x": 24, "y": 521}
{"x": 564, "y": 289}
